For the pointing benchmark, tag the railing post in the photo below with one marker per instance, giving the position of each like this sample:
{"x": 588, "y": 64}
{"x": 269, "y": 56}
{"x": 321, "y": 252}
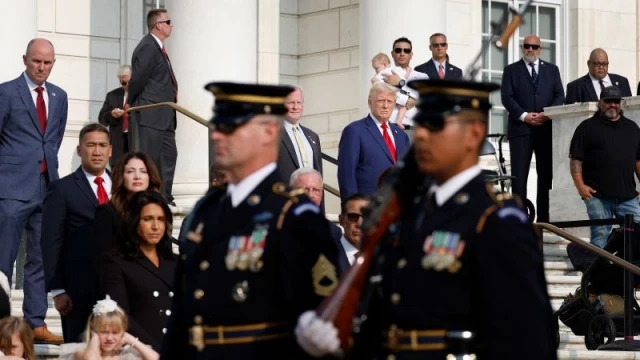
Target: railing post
{"x": 134, "y": 132}
{"x": 629, "y": 286}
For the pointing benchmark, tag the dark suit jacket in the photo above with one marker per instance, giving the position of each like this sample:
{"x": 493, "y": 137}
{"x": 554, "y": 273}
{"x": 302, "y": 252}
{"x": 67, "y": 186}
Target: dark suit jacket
{"x": 451, "y": 72}
{"x": 363, "y": 156}
{"x": 581, "y": 90}
{"x": 336, "y": 235}
{"x": 144, "y": 292}
{"x": 105, "y": 229}
{"x": 22, "y": 143}
{"x": 287, "y": 159}
{"x": 151, "y": 83}
{"x": 113, "y": 100}
{"x": 520, "y": 95}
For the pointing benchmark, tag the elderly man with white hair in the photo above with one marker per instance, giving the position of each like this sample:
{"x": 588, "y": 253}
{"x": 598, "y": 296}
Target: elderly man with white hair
{"x": 113, "y": 114}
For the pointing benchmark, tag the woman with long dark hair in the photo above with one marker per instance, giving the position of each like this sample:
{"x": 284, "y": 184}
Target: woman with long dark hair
{"x": 138, "y": 273}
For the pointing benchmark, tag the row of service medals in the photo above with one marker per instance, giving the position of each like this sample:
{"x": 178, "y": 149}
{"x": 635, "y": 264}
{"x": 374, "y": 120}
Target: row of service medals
{"x": 245, "y": 251}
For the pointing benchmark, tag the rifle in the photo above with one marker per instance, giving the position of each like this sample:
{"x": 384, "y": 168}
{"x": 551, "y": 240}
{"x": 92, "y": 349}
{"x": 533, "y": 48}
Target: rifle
{"x": 380, "y": 226}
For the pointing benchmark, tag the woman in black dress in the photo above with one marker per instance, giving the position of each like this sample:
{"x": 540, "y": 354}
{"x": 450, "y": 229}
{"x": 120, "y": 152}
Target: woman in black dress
{"x": 138, "y": 274}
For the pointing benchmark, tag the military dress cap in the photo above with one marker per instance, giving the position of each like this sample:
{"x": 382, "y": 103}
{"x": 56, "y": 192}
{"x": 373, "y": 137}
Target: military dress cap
{"x": 611, "y": 93}
{"x": 441, "y": 98}
{"x": 237, "y": 103}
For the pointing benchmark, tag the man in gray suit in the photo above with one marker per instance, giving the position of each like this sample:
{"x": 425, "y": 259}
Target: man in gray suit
{"x": 153, "y": 81}
{"x": 33, "y": 115}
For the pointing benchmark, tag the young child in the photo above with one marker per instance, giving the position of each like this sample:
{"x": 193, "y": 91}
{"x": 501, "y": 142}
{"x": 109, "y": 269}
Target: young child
{"x": 106, "y": 337}
{"x": 382, "y": 66}
{"x": 16, "y": 339}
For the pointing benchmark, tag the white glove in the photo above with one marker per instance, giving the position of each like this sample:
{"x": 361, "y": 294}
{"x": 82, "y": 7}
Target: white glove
{"x": 316, "y": 336}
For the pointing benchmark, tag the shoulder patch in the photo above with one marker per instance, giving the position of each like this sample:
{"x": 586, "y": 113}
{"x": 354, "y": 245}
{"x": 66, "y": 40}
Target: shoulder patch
{"x": 305, "y": 208}
{"x": 325, "y": 278}
{"x": 512, "y": 212}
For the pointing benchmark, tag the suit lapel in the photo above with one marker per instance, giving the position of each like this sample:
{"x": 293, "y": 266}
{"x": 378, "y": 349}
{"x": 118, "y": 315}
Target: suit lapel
{"x": 526, "y": 71}
{"x": 85, "y": 187}
{"x": 163, "y": 272}
{"x": 431, "y": 70}
{"x": 25, "y": 95}
{"x": 286, "y": 141}
{"x": 314, "y": 146}
{"x": 395, "y": 131}
{"x": 377, "y": 136}
{"x": 53, "y": 108}
{"x": 588, "y": 86}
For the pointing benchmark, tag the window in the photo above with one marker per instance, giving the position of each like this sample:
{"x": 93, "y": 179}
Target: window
{"x": 542, "y": 19}
{"x": 146, "y": 6}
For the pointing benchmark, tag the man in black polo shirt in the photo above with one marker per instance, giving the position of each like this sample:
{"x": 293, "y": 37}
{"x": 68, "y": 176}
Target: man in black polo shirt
{"x": 605, "y": 153}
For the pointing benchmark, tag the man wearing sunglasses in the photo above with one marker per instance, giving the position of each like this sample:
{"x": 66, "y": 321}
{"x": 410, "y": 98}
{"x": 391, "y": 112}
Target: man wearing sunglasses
{"x": 458, "y": 245}
{"x": 605, "y": 155}
{"x": 256, "y": 252}
{"x": 153, "y": 81}
{"x": 528, "y": 86}
{"x": 588, "y": 87}
{"x": 114, "y": 116}
{"x": 350, "y": 219}
{"x": 439, "y": 67}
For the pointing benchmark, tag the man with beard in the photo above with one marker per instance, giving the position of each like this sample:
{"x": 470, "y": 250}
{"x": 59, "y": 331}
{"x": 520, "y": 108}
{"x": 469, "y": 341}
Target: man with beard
{"x": 605, "y": 154}
{"x": 528, "y": 86}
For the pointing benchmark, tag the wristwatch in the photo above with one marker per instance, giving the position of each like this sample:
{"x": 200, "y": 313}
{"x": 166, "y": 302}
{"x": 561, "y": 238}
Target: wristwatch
{"x": 401, "y": 83}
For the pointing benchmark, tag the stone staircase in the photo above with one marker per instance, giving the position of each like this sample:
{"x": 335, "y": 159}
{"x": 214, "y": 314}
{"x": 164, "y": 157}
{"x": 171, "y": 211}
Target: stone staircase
{"x": 562, "y": 279}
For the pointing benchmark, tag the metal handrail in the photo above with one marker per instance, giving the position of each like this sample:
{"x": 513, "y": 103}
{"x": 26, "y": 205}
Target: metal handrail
{"x": 330, "y": 189}
{"x": 590, "y": 247}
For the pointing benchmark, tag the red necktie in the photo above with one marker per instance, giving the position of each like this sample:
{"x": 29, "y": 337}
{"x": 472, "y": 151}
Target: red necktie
{"x": 441, "y": 71}
{"x": 103, "y": 197}
{"x": 387, "y": 139}
{"x": 171, "y": 74}
{"x": 41, "y": 109}
{"x": 125, "y": 116}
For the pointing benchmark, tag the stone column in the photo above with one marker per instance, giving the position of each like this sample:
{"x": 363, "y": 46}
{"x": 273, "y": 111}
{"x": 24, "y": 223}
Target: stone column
{"x": 382, "y": 21}
{"x": 212, "y": 40}
{"x": 19, "y": 28}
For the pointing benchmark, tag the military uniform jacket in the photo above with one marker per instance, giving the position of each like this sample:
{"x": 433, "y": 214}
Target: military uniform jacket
{"x": 287, "y": 269}
{"x": 474, "y": 263}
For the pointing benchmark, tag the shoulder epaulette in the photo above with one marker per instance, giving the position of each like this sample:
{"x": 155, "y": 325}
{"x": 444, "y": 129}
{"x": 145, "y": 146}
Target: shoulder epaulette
{"x": 500, "y": 200}
{"x": 293, "y": 196}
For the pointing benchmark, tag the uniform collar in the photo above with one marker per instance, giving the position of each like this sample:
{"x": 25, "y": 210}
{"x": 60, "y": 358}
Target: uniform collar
{"x": 241, "y": 190}
{"x": 450, "y": 187}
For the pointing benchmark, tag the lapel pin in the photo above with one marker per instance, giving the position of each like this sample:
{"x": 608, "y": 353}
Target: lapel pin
{"x": 451, "y": 69}
{"x": 53, "y": 94}
{"x": 616, "y": 83}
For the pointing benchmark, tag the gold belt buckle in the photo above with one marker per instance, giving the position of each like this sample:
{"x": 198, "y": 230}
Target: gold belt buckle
{"x": 197, "y": 337}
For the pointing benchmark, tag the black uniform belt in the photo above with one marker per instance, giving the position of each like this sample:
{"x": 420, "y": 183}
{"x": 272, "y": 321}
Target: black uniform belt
{"x": 202, "y": 335}
{"x": 427, "y": 340}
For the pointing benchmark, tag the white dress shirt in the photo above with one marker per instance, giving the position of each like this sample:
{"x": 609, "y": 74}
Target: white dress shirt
{"x": 389, "y": 130}
{"x": 288, "y": 127}
{"x": 34, "y": 95}
{"x": 349, "y": 249}
{"x": 241, "y": 190}
{"x": 536, "y": 65}
{"x": 158, "y": 41}
{"x": 596, "y": 83}
{"x": 437, "y": 64}
{"x": 450, "y": 187}
{"x": 107, "y": 186}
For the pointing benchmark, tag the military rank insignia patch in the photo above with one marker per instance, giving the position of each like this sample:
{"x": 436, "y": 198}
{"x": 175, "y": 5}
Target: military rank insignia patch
{"x": 324, "y": 275}
{"x": 245, "y": 251}
{"x": 512, "y": 211}
{"x": 443, "y": 250}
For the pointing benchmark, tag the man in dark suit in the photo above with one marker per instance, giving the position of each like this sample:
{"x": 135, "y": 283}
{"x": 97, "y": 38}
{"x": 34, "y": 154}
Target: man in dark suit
{"x": 350, "y": 219}
{"x": 371, "y": 145}
{"x": 33, "y": 116}
{"x": 114, "y": 116}
{"x": 153, "y": 81}
{"x": 71, "y": 202}
{"x": 588, "y": 87}
{"x": 299, "y": 146}
{"x": 241, "y": 301}
{"x": 439, "y": 67}
{"x": 528, "y": 86}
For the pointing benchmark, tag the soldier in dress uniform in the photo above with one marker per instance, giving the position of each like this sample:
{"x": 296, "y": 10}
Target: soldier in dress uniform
{"x": 256, "y": 253}
{"x": 466, "y": 275}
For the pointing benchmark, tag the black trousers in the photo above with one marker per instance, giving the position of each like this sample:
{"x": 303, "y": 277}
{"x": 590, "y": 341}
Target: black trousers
{"x": 160, "y": 145}
{"x": 522, "y": 148}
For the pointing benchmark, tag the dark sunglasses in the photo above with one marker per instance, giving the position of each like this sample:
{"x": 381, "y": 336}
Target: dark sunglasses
{"x": 531, "y": 46}
{"x": 123, "y": 83}
{"x": 439, "y": 44}
{"x": 612, "y": 101}
{"x": 168, "y": 22}
{"x": 353, "y": 217}
{"x": 399, "y": 50}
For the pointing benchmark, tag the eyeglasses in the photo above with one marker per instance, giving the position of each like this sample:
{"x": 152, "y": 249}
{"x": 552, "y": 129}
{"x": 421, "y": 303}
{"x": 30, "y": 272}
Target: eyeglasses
{"x": 613, "y": 101}
{"x": 399, "y": 50}
{"x": 599, "y": 64}
{"x": 531, "y": 46}
{"x": 439, "y": 45}
{"x": 168, "y": 22}
{"x": 353, "y": 217}
{"x": 124, "y": 83}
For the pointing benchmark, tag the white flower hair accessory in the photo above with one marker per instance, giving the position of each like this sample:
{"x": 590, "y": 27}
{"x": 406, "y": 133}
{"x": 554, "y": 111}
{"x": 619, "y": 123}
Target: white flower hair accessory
{"x": 106, "y": 306}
